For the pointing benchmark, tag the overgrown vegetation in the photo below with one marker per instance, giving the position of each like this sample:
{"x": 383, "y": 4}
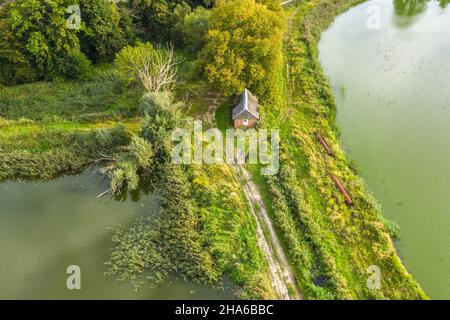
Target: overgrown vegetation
{"x": 243, "y": 47}
{"x": 191, "y": 235}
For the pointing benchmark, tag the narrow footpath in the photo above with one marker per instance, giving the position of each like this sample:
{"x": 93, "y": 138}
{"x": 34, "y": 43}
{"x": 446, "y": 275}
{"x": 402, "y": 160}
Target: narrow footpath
{"x": 283, "y": 280}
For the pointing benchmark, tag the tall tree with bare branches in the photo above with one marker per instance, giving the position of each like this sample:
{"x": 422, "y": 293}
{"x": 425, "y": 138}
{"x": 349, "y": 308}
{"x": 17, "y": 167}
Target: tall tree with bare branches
{"x": 155, "y": 68}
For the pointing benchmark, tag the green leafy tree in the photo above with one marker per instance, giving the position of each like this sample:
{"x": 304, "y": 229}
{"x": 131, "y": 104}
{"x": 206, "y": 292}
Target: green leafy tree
{"x": 194, "y": 28}
{"x": 243, "y": 47}
{"x": 157, "y": 18}
{"x": 131, "y": 58}
{"x": 37, "y": 32}
{"x": 161, "y": 116}
{"x": 102, "y": 35}
{"x": 155, "y": 68}
{"x": 274, "y": 5}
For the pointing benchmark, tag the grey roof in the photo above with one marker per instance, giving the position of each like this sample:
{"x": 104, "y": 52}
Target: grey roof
{"x": 247, "y": 107}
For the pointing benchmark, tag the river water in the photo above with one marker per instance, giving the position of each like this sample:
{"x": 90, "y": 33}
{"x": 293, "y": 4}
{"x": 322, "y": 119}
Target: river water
{"x": 389, "y": 65}
{"x": 47, "y": 226}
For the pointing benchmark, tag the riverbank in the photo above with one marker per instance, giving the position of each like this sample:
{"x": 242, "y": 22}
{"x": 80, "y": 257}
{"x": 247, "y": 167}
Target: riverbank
{"x": 392, "y": 95}
{"x": 331, "y": 246}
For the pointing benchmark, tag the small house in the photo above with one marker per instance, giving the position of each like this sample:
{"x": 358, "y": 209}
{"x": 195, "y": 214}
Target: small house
{"x": 246, "y": 113}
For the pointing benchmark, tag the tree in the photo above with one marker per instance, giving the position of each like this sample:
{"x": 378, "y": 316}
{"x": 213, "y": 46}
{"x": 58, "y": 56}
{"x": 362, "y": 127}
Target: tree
{"x": 155, "y": 68}
{"x": 243, "y": 47}
{"x": 194, "y": 28}
{"x": 152, "y": 148}
{"x": 36, "y": 42}
{"x": 131, "y": 58}
{"x": 36, "y": 31}
{"x": 157, "y": 18}
{"x": 274, "y": 5}
{"x": 102, "y": 35}
{"x": 161, "y": 116}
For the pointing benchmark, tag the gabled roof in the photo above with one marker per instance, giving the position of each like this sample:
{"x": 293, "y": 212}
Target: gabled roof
{"x": 248, "y": 106}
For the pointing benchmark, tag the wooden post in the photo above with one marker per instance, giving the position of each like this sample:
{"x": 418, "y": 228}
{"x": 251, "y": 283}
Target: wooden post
{"x": 341, "y": 188}
{"x": 324, "y": 143}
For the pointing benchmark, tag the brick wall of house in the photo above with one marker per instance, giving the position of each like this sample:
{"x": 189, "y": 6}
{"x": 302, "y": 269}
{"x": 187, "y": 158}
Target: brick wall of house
{"x": 239, "y": 123}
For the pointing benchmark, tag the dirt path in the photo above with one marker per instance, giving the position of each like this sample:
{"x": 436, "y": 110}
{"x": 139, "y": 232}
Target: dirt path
{"x": 283, "y": 280}
{"x": 213, "y": 101}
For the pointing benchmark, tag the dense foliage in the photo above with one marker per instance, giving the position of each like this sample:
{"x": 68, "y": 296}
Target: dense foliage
{"x": 37, "y": 42}
{"x": 191, "y": 31}
{"x": 158, "y": 19}
{"x": 101, "y": 34}
{"x": 243, "y": 47}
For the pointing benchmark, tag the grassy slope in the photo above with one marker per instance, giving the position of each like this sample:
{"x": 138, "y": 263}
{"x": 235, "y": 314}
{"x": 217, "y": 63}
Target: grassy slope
{"x": 49, "y": 128}
{"x": 102, "y": 97}
{"x": 330, "y": 244}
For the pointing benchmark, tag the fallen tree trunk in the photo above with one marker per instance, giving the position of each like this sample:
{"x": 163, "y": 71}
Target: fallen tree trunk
{"x": 324, "y": 143}
{"x": 341, "y": 188}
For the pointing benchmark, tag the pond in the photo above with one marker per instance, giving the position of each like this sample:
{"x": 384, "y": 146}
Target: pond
{"x": 389, "y": 65}
{"x": 47, "y": 226}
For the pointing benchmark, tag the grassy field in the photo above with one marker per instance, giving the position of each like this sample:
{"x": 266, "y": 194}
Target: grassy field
{"x": 49, "y": 128}
{"x": 330, "y": 244}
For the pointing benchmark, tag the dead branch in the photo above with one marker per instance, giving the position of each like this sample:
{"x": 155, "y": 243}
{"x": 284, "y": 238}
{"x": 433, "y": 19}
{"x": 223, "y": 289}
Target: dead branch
{"x": 101, "y": 195}
{"x": 158, "y": 71}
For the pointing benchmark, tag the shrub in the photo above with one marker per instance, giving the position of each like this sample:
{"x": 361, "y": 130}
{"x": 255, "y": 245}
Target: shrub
{"x": 79, "y": 67}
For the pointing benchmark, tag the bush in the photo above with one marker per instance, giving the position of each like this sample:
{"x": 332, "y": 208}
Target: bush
{"x": 79, "y": 67}
{"x": 392, "y": 227}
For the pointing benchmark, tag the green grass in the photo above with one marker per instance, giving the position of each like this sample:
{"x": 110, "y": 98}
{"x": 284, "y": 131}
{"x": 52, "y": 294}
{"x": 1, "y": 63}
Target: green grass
{"x": 223, "y": 115}
{"x": 103, "y": 97}
{"x": 61, "y": 119}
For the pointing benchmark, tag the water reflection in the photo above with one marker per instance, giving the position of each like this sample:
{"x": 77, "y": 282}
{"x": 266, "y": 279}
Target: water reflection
{"x": 407, "y": 11}
{"x": 47, "y": 226}
{"x": 395, "y": 121}
{"x": 444, "y": 3}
